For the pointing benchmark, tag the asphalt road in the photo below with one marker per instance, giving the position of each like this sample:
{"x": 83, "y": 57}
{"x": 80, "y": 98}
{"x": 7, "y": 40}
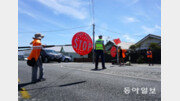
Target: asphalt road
{"x": 78, "y": 82}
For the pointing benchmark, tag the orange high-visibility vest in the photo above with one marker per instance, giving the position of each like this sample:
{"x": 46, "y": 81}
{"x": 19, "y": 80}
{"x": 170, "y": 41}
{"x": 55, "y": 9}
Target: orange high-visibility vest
{"x": 149, "y": 54}
{"x": 35, "y": 53}
{"x": 123, "y": 53}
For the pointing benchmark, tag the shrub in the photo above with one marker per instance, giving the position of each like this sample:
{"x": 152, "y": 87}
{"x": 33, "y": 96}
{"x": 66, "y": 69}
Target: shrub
{"x": 140, "y": 59}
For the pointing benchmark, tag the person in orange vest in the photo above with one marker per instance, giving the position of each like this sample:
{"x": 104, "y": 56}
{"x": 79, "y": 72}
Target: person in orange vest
{"x": 149, "y": 56}
{"x": 35, "y": 53}
{"x": 122, "y": 55}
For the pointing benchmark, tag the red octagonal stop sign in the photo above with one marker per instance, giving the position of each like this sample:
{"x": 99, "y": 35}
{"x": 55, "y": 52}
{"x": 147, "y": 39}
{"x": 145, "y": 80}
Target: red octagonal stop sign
{"x": 82, "y": 43}
{"x": 113, "y": 51}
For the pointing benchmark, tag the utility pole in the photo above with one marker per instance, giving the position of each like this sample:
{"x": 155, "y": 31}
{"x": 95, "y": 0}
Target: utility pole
{"x": 93, "y": 42}
{"x": 117, "y": 55}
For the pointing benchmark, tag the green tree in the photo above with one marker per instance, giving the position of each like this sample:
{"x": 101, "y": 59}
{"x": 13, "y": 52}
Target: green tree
{"x": 132, "y": 47}
{"x": 138, "y": 46}
{"x": 154, "y": 46}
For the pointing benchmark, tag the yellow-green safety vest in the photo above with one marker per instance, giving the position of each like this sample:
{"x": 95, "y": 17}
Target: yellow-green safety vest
{"x": 99, "y": 44}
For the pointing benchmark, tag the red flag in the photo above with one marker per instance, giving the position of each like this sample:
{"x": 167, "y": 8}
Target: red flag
{"x": 117, "y": 41}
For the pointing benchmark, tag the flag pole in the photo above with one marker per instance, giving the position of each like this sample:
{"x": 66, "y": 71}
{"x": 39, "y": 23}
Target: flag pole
{"x": 117, "y": 41}
{"x": 117, "y": 55}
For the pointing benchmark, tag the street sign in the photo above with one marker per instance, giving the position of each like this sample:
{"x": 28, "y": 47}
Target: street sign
{"x": 113, "y": 51}
{"x": 82, "y": 43}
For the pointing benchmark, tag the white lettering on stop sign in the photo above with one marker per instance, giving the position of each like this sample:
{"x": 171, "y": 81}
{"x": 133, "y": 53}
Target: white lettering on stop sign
{"x": 82, "y": 43}
{"x": 75, "y": 41}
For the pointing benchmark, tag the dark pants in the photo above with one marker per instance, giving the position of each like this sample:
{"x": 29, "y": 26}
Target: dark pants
{"x": 35, "y": 69}
{"x": 150, "y": 61}
{"x": 99, "y": 53}
{"x": 121, "y": 60}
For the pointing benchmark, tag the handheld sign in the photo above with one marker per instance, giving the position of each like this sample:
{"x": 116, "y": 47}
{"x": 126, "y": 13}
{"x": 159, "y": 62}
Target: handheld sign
{"x": 113, "y": 51}
{"x": 82, "y": 43}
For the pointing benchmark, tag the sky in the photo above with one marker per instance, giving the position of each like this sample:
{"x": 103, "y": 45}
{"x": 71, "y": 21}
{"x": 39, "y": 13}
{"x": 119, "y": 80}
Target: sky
{"x": 59, "y": 20}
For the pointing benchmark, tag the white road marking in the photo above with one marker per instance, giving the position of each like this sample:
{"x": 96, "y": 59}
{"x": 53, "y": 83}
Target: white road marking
{"x": 61, "y": 65}
{"x": 110, "y": 74}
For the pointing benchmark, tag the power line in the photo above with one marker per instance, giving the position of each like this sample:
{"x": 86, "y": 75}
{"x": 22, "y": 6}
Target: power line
{"x": 108, "y": 30}
{"x": 58, "y": 30}
{"x": 90, "y": 10}
{"x": 92, "y": 1}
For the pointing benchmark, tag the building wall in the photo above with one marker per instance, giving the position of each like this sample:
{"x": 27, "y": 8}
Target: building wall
{"x": 145, "y": 44}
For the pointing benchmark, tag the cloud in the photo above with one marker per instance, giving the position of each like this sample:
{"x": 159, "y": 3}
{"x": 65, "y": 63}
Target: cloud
{"x": 65, "y": 35}
{"x": 128, "y": 2}
{"x": 40, "y": 17}
{"x": 56, "y": 23}
{"x": 104, "y": 25}
{"x": 27, "y": 13}
{"x": 128, "y": 38}
{"x": 130, "y": 20}
{"x": 157, "y": 27}
{"x": 73, "y": 8}
{"x": 134, "y": 1}
{"x": 154, "y": 29}
{"x": 148, "y": 29}
{"x": 25, "y": 9}
{"x": 30, "y": 11}
{"x": 158, "y": 7}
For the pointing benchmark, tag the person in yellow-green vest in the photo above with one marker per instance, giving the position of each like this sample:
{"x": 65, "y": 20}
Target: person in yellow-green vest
{"x": 99, "y": 49}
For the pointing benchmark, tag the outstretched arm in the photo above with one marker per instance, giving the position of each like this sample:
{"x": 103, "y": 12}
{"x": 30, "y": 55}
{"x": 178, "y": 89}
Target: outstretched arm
{"x": 31, "y": 43}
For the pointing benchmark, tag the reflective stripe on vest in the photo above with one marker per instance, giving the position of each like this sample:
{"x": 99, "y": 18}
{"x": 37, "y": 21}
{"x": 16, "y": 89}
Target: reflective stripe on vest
{"x": 99, "y": 44}
{"x": 35, "y": 53}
